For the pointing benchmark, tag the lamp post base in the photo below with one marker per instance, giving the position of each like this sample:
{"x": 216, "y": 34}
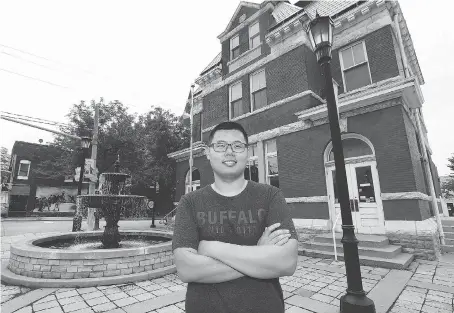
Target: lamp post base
{"x": 351, "y": 303}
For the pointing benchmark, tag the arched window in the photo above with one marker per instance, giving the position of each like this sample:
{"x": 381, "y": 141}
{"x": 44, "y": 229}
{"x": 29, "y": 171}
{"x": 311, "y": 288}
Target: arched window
{"x": 354, "y": 146}
{"x": 195, "y": 181}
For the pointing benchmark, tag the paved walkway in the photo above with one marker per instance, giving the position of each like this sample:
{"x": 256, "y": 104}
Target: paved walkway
{"x": 316, "y": 286}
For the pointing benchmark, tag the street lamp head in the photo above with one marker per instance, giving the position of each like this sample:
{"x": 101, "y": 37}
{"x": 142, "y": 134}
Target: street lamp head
{"x": 320, "y": 32}
{"x": 85, "y": 142}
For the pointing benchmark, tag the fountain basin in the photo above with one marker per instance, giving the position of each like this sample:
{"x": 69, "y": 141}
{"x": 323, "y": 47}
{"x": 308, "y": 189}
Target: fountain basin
{"x": 90, "y": 267}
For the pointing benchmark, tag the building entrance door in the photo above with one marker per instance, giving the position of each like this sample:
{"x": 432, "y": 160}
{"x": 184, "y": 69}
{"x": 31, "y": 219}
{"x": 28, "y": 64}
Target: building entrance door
{"x": 364, "y": 196}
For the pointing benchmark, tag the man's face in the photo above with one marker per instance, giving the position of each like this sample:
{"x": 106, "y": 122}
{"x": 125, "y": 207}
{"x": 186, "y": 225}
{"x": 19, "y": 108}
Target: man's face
{"x": 229, "y": 164}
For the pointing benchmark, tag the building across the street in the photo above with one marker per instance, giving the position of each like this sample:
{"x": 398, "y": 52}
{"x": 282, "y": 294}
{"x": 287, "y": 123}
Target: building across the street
{"x": 27, "y": 183}
{"x": 449, "y": 196}
{"x": 266, "y": 78}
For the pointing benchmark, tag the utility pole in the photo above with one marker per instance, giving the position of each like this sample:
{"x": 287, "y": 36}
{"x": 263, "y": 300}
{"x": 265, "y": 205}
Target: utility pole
{"x": 94, "y": 153}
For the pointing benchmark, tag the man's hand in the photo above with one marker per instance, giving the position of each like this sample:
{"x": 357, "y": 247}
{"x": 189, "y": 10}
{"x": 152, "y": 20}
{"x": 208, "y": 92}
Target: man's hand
{"x": 274, "y": 237}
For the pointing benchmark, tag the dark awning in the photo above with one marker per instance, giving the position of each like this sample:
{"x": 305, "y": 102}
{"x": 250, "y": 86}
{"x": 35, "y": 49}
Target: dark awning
{"x": 20, "y": 190}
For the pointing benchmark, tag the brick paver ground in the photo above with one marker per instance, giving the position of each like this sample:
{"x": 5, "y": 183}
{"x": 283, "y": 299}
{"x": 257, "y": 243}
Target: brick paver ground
{"x": 316, "y": 286}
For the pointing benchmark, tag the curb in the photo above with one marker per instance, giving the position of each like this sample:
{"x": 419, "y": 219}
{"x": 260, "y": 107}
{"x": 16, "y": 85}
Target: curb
{"x": 11, "y": 278}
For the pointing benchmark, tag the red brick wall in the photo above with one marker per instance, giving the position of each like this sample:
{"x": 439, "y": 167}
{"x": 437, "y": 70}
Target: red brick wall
{"x": 300, "y": 161}
{"x": 287, "y": 75}
{"x": 381, "y": 55}
{"x": 408, "y": 210}
{"x": 309, "y": 210}
{"x": 216, "y": 107}
{"x": 196, "y": 127}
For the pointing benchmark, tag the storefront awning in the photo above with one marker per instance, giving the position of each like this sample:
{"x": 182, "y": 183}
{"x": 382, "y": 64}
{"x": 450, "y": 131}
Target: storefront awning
{"x": 20, "y": 190}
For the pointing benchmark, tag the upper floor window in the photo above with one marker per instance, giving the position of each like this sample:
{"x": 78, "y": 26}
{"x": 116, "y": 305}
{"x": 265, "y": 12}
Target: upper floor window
{"x": 235, "y": 47}
{"x": 195, "y": 181}
{"x": 355, "y": 67}
{"x": 254, "y": 35}
{"x": 272, "y": 171}
{"x": 24, "y": 169}
{"x": 252, "y": 168}
{"x": 236, "y": 100}
{"x": 258, "y": 90}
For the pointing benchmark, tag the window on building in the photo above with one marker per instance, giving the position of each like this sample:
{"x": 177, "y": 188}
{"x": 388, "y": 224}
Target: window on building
{"x": 254, "y": 35}
{"x": 236, "y": 100}
{"x": 252, "y": 168}
{"x": 272, "y": 171}
{"x": 234, "y": 47}
{"x": 195, "y": 181}
{"x": 355, "y": 67}
{"x": 258, "y": 90}
{"x": 24, "y": 169}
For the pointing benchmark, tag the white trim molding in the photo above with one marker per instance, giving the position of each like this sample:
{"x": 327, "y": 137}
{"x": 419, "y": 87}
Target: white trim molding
{"x": 311, "y": 223}
{"x": 314, "y": 199}
{"x": 412, "y": 195}
{"x": 417, "y": 228}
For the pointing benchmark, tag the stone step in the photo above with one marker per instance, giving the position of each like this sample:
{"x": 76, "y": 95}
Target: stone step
{"x": 400, "y": 261}
{"x": 448, "y": 228}
{"x": 386, "y": 252}
{"x": 449, "y": 235}
{"x": 364, "y": 240}
{"x": 449, "y": 242}
{"x": 447, "y": 248}
{"x": 447, "y": 221}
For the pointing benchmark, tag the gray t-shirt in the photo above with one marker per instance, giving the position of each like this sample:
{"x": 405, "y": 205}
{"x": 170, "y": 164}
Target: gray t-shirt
{"x": 206, "y": 215}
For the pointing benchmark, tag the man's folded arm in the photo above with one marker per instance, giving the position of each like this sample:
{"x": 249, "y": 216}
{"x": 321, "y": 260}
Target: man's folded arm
{"x": 193, "y": 267}
{"x": 263, "y": 262}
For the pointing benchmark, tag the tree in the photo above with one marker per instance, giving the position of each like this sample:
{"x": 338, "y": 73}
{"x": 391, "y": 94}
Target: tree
{"x": 5, "y": 163}
{"x": 447, "y": 186}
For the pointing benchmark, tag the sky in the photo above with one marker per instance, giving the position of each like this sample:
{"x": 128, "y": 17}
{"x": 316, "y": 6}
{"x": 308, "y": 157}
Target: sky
{"x": 146, "y": 53}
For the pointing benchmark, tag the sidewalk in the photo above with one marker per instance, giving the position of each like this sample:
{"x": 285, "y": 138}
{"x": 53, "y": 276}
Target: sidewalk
{"x": 316, "y": 286}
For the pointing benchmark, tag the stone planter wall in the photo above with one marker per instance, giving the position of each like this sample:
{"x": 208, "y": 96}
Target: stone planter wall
{"x": 307, "y": 234}
{"x": 29, "y": 260}
{"x": 425, "y": 247}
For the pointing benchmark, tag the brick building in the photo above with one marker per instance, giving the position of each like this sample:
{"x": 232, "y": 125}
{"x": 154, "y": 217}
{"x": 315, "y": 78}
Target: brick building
{"x": 266, "y": 78}
{"x": 27, "y": 183}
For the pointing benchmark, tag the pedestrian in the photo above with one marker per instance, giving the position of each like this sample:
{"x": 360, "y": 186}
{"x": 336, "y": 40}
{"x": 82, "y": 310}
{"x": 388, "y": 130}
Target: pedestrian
{"x": 233, "y": 239}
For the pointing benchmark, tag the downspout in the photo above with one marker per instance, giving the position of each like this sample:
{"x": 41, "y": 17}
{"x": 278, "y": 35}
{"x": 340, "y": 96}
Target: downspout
{"x": 401, "y": 45}
{"x": 429, "y": 177}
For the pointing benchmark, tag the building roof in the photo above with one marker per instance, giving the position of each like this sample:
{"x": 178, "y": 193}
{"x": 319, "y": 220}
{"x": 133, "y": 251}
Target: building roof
{"x": 284, "y": 10}
{"x": 330, "y": 8}
{"x": 213, "y": 63}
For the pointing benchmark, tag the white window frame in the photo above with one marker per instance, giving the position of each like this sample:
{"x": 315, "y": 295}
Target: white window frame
{"x": 28, "y": 172}
{"x": 270, "y": 155}
{"x": 230, "y": 97}
{"x": 255, "y": 35}
{"x": 342, "y": 62}
{"x": 253, "y": 159}
{"x": 231, "y": 46}
{"x": 251, "y": 104}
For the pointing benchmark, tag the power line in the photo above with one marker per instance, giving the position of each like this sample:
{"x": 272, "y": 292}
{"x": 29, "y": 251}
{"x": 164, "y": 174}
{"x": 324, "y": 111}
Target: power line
{"x": 23, "y": 59}
{"x": 35, "y": 118}
{"x": 35, "y": 121}
{"x": 33, "y": 78}
{"x": 37, "y": 56}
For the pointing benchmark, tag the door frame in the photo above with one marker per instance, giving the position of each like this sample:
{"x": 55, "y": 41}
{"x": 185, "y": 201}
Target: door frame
{"x": 358, "y": 161}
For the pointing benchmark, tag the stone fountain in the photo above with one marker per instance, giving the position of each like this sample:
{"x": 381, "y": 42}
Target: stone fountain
{"x": 92, "y": 258}
{"x": 113, "y": 201}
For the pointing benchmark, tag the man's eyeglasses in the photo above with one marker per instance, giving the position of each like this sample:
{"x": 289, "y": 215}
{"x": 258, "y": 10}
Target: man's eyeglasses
{"x": 222, "y": 146}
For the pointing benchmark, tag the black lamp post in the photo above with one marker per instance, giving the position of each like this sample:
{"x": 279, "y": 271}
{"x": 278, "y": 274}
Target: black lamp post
{"x": 85, "y": 144}
{"x": 320, "y": 32}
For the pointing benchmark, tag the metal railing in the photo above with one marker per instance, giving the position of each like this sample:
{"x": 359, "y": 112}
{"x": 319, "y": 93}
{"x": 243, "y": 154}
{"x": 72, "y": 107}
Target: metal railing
{"x": 334, "y": 236}
{"x": 170, "y": 214}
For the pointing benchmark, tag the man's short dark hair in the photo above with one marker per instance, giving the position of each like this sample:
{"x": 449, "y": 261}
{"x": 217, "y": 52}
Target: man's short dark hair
{"x": 227, "y": 126}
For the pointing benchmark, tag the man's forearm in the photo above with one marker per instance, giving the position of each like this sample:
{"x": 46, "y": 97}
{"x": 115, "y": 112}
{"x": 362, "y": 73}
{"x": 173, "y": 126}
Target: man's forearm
{"x": 203, "y": 269}
{"x": 261, "y": 262}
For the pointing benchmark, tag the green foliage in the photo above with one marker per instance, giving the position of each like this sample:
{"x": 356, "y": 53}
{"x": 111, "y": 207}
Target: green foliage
{"x": 451, "y": 164}
{"x": 142, "y": 143}
{"x": 5, "y": 162}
